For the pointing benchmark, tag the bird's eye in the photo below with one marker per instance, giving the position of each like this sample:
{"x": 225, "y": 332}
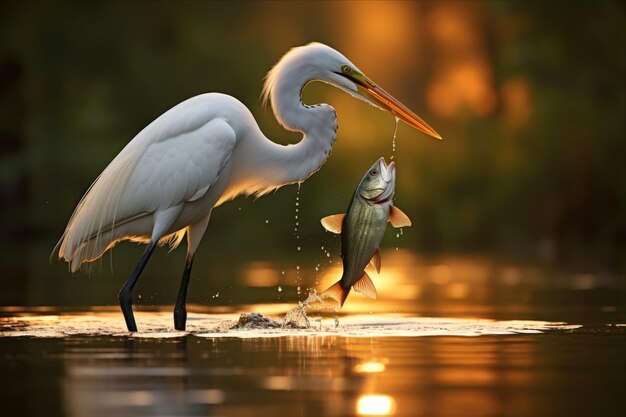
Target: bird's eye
{"x": 346, "y": 69}
{"x": 373, "y": 172}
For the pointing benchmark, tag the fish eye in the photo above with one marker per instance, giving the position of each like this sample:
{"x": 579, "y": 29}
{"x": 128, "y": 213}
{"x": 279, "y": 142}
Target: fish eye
{"x": 374, "y": 172}
{"x": 345, "y": 69}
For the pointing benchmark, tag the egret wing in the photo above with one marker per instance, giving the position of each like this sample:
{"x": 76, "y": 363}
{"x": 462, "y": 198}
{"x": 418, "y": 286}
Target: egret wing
{"x": 175, "y": 158}
{"x": 179, "y": 169}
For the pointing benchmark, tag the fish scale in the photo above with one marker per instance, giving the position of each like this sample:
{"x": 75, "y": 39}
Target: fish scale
{"x": 364, "y": 215}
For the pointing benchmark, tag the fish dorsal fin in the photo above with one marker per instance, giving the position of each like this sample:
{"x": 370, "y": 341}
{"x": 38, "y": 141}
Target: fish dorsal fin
{"x": 365, "y": 286}
{"x": 333, "y": 223}
{"x": 398, "y": 218}
{"x": 376, "y": 260}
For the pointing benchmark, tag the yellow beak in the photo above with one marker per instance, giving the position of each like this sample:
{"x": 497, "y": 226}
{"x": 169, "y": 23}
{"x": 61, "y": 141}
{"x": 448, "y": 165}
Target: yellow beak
{"x": 389, "y": 103}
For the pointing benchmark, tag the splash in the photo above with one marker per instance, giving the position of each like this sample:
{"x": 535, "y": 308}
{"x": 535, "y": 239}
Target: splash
{"x": 256, "y": 321}
{"x": 298, "y": 315}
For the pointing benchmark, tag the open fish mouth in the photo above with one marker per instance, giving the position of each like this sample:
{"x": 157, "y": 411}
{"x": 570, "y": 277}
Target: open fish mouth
{"x": 388, "y": 174}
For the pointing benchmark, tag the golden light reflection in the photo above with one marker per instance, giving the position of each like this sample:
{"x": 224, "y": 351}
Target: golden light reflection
{"x": 440, "y": 274}
{"x": 375, "y": 405}
{"x": 260, "y": 274}
{"x": 457, "y": 290}
{"x": 407, "y": 281}
{"x": 511, "y": 276}
{"x": 279, "y": 383}
{"x": 370, "y": 367}
{"x": 393, "y": 282}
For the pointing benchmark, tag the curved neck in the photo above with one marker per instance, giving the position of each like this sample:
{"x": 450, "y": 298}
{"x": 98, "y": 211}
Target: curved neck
{"x": 265, "y": 165}
{"x": 317, "y": 123}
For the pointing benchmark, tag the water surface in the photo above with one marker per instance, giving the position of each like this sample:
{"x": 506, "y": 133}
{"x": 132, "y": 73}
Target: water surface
{"x": 447, "y": 337}
{"x": 85, "y": 364}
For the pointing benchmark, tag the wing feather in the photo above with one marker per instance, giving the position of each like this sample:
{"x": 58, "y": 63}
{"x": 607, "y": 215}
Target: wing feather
{"x": 173, "y": 160}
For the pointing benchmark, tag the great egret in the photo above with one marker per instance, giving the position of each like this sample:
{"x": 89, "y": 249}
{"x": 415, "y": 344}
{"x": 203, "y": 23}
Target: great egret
{"x": 205, "y": 151}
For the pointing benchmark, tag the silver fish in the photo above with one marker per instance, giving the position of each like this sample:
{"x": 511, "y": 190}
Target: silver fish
{"x": 362, "y": 229}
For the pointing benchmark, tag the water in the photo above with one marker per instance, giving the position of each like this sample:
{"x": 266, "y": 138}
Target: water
{"x": 393, "y": 142}
{"x": 571, "y": 371}
{"x": 446, "y": 337}
{"x": 297, "y": 234}
{"x": 299, "y": 315}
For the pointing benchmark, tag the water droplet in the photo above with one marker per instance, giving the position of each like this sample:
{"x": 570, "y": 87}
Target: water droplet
{"x": 282, "y": 272}
{"x": 322, "y": 248}
{"x": 267, "y": 221}
{"x": 328, "y": 254}
{"x": 397, "y": 234}
{"x": 317, "y": 268}
{"x": 397, "y": 248}
{"x": 393, "y": 143}
{"x": 280, "y": 289}
{"x": 298, "y": 248}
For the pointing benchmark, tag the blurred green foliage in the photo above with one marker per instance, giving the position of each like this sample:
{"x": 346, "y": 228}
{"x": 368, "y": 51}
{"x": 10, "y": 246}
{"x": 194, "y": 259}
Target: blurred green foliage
{"x": 79, "y": 80}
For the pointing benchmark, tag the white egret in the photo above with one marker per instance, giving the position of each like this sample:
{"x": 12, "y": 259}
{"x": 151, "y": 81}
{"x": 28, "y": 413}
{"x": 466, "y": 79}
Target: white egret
{"x": 205, "y": 151}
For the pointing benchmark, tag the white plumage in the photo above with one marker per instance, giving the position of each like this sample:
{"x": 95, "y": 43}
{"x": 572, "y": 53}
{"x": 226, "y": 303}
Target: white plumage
{"x": 208, "y": 149}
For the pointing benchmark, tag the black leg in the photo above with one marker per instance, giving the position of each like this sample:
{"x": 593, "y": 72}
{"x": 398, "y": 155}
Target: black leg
{"x": 180, "y": 310}
{"x": 126, "y": 292}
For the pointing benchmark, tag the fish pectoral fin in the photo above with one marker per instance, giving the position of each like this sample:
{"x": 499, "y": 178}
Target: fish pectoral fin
{"x": 375, "y": 261}
{"x": 365, "y": 286}
{"x": 333, "y": 223}
{"x": 398, "y": 218}
{"x": 336, "y": 292}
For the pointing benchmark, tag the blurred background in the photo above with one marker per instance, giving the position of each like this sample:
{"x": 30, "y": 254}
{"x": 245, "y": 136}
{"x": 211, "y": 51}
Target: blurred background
{"x": 528, "y": 189}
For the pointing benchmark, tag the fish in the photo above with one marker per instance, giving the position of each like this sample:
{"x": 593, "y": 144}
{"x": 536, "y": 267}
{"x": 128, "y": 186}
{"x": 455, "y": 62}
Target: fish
{"x": 362, "y": 228}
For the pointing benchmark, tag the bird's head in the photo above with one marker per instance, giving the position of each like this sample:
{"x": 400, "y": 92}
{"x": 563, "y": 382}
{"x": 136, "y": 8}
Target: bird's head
{"x": 319, "y": 62}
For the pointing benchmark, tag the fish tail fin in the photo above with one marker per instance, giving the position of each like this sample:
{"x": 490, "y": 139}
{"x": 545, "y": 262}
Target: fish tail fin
{"x": 337, "y": 293}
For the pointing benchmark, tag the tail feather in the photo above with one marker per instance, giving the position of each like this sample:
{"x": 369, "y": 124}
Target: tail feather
{"x": 97, "y": 211}
{"x": 93, "y": 248}
{"x": 337, "y": 293}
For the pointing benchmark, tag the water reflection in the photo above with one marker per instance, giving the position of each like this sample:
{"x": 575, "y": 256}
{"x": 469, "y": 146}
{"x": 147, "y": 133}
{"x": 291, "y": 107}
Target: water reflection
{"x": 310, "y": 375}
{"x": 453, "y": 285}
{"x": 375, "y": 405}
{"x": 206, "y": 377}
{"x": 371, "y": 366}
